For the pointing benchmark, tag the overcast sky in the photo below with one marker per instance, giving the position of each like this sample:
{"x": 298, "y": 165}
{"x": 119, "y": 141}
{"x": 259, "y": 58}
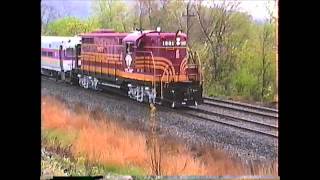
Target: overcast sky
{"x": 82, "y": 8}
{"x": 257, "y": 8}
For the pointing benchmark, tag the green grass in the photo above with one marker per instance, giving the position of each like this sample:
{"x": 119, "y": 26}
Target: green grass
{"x": 134, "y": 171}
{"x": 81, "y": 167}
{"x": 54, "y": 135}
{"x": 59, "y": 142}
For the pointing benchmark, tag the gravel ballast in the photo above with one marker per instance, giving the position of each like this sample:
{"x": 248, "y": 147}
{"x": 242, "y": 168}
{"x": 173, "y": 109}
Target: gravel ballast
{"x": 244, "y": 145}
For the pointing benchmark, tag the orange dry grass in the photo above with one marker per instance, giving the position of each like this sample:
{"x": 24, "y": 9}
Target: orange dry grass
{"x": 183, "y": 164}
{"x": 99, "y": 141}
{"x": 106, "y": 142}
{"x": 110, "y": 144}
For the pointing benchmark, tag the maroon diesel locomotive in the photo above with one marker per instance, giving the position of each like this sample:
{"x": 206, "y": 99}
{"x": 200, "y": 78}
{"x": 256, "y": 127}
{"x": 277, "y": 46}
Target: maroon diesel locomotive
{"x": 148, "y": 66}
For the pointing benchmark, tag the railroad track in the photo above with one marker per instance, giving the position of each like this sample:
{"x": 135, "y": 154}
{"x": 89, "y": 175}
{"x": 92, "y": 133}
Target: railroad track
{"x": 228, "y": 120}
{"x": 242, "y": 107}
{"x": 233, "y": 121}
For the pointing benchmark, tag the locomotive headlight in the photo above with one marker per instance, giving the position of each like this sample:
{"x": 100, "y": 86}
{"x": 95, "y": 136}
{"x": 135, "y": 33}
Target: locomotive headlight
{"x": 79, "y": 76}
{"x": 172, "y": 91}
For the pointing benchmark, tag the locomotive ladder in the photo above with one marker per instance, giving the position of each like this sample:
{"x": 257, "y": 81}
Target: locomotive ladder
{"x": 199, "y": 69}
{"x": 195, "y": 58}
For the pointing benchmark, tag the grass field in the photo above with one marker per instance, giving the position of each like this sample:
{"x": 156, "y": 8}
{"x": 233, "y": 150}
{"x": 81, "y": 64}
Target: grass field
{"x": 95, "y": 146}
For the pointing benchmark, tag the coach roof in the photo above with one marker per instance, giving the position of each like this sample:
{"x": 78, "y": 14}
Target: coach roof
{"x": 54, "y": 42}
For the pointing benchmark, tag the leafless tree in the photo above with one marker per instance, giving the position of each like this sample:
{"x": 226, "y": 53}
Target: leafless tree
{"x": 265, "y": 64}
{"x": 48, "y": 14}
{"x": 267, "y": 44}
{"x": 215, "y": 24}
{"x": 142, "y": 12}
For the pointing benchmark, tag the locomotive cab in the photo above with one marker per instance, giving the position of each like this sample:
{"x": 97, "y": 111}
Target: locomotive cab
{"x": 164, "y": 56}
{"x": 185, "y": 88}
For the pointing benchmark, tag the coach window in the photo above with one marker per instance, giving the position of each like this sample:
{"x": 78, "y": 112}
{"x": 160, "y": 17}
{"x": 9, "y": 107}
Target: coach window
{"x": 43, "y": 53}
{"x": 69, "y": 52}
{"x": 50, "y": 54}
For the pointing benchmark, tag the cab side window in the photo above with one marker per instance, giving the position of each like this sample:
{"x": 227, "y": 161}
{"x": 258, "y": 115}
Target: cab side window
{"x": 129, "y": 48}
{"x": 141, "y": 44}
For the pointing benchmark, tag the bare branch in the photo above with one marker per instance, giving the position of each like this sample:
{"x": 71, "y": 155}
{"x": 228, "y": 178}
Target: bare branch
{"x": 199, "y": 16}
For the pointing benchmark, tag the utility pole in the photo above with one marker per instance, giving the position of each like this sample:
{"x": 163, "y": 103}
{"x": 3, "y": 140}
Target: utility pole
{"x": 188, "y": 15}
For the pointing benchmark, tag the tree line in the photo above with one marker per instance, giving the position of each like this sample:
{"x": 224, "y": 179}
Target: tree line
{"x": 237, "y": 53}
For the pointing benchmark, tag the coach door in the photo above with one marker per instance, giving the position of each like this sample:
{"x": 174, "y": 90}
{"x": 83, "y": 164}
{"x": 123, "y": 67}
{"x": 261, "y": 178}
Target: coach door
{"x": 60, "y": 58}
{"x": 77, "y": 54}
{"x": 61, "y": 62}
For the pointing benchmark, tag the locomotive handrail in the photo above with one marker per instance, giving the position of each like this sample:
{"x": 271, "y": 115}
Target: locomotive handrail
{"x": 161, "y": 80}
{"x": 199, "y": 65}
{"x": 154, "y": 68}
{"x": 200, "y": 68}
